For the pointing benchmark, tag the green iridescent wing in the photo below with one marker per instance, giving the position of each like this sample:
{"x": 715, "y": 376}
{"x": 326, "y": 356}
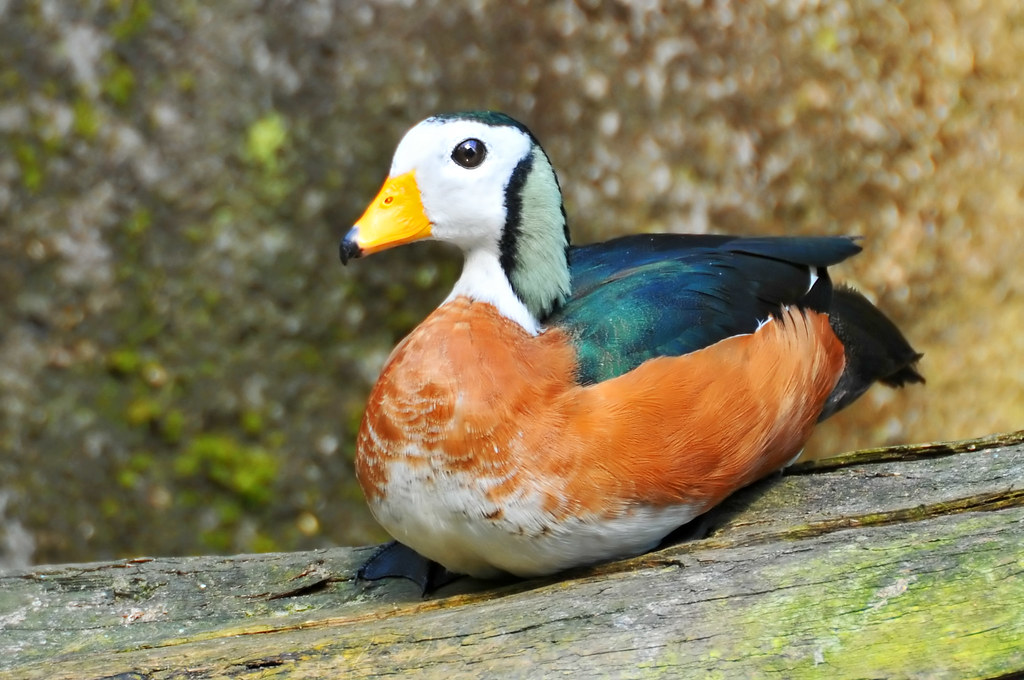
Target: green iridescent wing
{"x": 645, "y": 296}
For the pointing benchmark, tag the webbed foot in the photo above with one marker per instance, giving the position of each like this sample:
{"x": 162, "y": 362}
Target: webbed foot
{"x": 395, "y": 560}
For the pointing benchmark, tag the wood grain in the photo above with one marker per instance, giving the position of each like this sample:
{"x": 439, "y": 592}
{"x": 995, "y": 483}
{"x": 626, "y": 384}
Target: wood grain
{"x": 899, "y": 562}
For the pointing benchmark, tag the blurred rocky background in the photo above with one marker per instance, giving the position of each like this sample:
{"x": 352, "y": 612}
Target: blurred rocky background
{"x": 183, "y": 361}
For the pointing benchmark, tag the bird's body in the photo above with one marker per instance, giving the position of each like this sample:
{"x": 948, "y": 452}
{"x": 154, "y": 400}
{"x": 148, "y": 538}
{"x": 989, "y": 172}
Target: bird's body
{"x": 570, "y": 405}
{"x": 481, "y": 448}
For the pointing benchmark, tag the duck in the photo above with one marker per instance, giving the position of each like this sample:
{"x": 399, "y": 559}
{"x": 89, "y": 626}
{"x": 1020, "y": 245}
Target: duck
{"x": 568, "y": 405}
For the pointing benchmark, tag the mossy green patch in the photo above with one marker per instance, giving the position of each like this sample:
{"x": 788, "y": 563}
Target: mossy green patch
{"x": 128, "y": 479}
{"x": 265, "y": 140}
{"x": 119, "y": 85}
{"x": 859, "y": 624}
{"x": 28, "y": 161}
{"x": 142, "y": 411}
{"x": 124, "y": 361}
{"x": 110, "y": 507}
{"x": 172, "y": 426}
{"x": 139, "y": 222}
{"x": 247, "y": 471}
{"x": 135, "y": 16}
{"x": 87, "y": 120}
{"x": 252, "y": 422}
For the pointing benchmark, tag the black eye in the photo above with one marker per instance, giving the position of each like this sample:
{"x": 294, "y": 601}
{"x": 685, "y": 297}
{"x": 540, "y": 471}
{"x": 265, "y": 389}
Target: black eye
{"x": 469, "y": 153}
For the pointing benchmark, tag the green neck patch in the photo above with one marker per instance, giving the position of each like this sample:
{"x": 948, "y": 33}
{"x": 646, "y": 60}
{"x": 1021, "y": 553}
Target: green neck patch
{"x": 535, "y": 240}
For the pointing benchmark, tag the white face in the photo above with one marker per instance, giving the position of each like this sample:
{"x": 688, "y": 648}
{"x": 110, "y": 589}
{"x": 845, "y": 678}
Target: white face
{"x": 465, "y": 206}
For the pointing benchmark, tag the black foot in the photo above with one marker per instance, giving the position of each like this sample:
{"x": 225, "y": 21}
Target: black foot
{"x": 697, "y": 528}
{"x": 394, "y": 560}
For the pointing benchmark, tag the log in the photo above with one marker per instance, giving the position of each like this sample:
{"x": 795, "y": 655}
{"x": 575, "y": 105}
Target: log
{"x": 894, "y": 562}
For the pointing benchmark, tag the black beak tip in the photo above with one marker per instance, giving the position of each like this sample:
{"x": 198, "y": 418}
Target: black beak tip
{"x": 348, "y": 249}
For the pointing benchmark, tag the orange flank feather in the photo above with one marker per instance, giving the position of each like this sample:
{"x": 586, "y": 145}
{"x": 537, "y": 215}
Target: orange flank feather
{"x": 471, "y": 401}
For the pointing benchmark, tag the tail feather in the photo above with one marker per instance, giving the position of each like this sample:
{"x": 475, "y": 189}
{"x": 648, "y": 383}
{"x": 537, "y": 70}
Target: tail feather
{"x": 875, "y": 349}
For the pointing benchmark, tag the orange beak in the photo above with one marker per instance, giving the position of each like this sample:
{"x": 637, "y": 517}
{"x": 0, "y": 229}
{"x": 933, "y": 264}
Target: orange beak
{"x": 394, "y": 217}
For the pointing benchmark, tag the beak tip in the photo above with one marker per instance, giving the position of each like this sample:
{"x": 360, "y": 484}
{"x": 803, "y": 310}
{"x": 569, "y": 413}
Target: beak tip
{"x": 348, "y": 249}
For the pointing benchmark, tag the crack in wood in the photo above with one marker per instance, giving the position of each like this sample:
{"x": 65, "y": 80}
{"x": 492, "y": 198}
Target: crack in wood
{"x": 906, "y": 452}
{"x": 979, "y": 503}
{"x": 668, "y": 556}
{"x": 306, "y": 589}
{"x": 267, "y": 662}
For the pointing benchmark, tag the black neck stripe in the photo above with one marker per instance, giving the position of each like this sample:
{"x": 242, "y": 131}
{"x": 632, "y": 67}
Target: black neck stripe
{"x": 509, "y": 244}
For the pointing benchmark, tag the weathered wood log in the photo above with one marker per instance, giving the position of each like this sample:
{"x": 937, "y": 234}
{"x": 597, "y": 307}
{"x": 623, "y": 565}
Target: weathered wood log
{"x": 897, "y": 562}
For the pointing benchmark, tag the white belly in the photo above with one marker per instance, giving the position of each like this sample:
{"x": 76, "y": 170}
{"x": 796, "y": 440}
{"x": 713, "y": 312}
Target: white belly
{"x": 450, "y": 519}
